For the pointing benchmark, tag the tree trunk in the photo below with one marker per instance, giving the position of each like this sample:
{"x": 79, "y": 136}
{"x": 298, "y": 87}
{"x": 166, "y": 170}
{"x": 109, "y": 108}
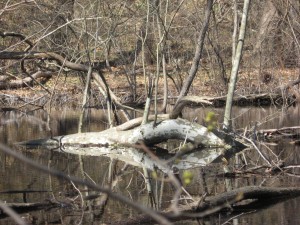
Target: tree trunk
{"x": 198, "y": 53}
{"x": 235, "y": 68}
{"x": 268, "y": 14}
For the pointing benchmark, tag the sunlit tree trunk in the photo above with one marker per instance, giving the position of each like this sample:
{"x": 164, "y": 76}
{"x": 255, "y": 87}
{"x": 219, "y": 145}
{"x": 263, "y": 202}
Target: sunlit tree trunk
{"x": 235, "y": 68}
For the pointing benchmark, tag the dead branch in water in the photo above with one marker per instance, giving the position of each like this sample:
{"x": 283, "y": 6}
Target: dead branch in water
{"x": 241, "y": 200}
{"x": 287, "y": 132}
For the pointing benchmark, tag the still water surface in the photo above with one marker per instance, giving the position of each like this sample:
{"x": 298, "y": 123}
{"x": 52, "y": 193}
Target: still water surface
{"x": 17, "y": 176}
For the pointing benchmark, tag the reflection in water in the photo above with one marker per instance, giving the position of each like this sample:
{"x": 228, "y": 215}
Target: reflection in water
{"x": 14, "y": 175}
{"x": 17, "y": 126}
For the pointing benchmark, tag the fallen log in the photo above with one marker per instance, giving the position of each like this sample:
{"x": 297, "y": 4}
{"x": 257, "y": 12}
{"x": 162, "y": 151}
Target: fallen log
{"x": 263, "y": 99}
{"x": 28, "y": 81}
{"x": 284, "y": 132}
{"x": 204, "y": 147}
{"x": 149, "y": 133}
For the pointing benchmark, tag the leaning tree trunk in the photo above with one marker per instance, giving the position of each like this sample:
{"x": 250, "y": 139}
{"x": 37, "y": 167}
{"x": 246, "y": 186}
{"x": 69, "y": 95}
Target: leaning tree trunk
{"x": 198, "y": 52}
{"x": 235, "y": 68}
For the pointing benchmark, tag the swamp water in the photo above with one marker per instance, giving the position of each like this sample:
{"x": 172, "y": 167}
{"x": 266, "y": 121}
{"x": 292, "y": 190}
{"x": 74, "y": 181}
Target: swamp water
{"x": 18, "y": 177}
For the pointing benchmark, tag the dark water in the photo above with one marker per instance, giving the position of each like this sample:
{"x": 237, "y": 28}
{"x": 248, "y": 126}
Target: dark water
{"x": 17, "y": 176}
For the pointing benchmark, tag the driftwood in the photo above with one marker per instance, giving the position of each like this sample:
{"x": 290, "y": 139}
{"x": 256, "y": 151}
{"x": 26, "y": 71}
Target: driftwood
{"x": 239, "y": 200}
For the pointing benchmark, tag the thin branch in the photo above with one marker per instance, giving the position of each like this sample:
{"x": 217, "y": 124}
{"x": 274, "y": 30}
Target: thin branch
{"x": 257, "y": 149}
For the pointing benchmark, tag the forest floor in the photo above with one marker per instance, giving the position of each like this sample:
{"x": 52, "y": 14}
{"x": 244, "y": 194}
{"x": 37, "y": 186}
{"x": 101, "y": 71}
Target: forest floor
{"x": 67, "y": 90}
